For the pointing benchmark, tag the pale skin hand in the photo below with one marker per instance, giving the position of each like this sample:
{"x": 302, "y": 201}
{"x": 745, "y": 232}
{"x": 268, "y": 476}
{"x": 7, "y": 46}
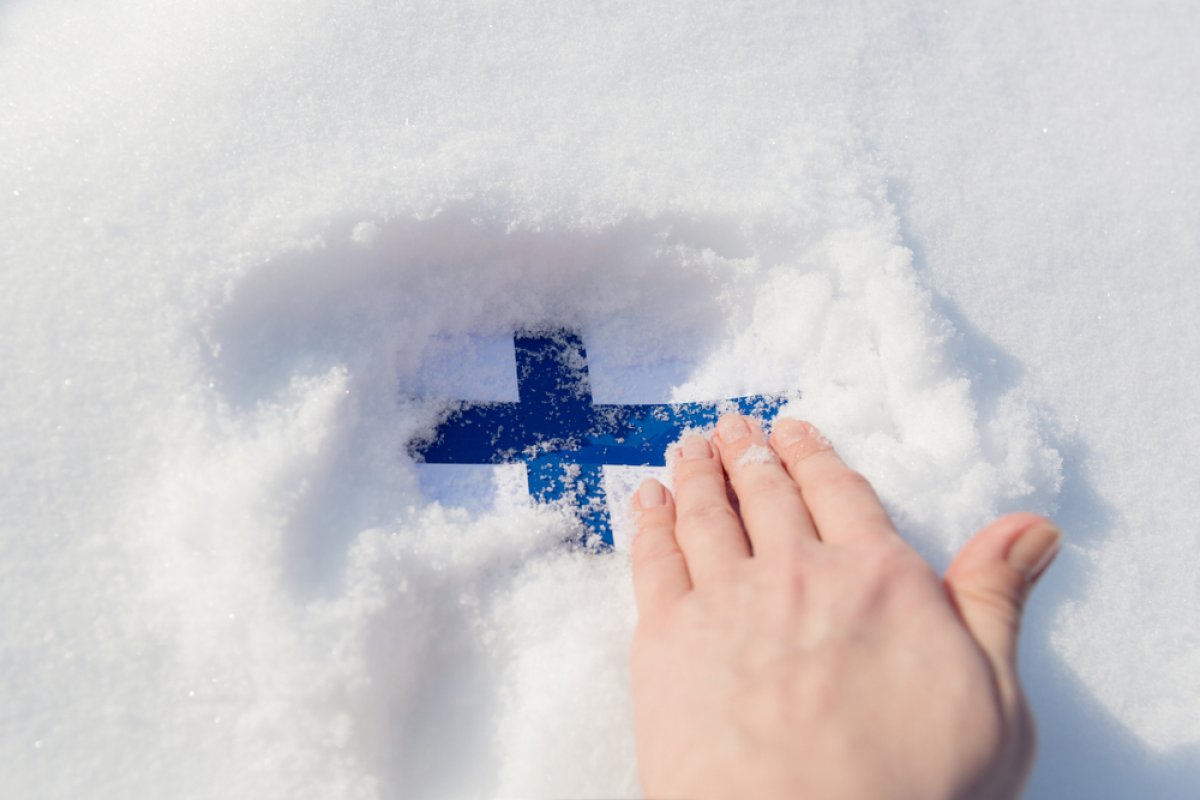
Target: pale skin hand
{"x": 797, "y": 647}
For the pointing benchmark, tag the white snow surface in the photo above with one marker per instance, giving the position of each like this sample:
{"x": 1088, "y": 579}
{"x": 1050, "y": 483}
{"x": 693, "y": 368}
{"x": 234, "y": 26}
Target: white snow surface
{"x": 250, "y": 249}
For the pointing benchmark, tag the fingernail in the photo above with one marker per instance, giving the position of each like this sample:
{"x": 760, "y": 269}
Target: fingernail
{"x": 695, "y": 448}
{"x": 788, "y": 431}
{"x": 651, "y": 494}
{"x": 732, "y": 427}
{"x": 1033, "y": 552}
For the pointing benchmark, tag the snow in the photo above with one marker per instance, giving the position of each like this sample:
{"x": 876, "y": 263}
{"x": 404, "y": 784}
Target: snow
{"x": 249, "y": 250}
{"x": 756, "y": 454}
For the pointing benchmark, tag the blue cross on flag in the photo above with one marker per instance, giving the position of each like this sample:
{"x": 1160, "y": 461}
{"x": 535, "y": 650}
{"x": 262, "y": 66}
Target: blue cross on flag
{"x": 562, "y": 437}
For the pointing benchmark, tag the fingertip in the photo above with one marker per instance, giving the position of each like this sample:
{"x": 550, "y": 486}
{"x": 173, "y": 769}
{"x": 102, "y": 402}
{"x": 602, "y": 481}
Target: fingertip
{"x": 997, "y": 542}
{"x": 741, "y": 440}
{"x": 693, "y": 447}
{"x": 1034, "y": 550}
{"x": 793, "y": 438}
{"x": 732, "y": 428}
{"x": 652, "y": 507}
{"x": 650, "y": 494}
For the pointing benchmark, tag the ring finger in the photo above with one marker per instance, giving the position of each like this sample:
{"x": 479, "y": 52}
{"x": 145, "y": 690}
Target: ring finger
{"x": 708, "y": 529}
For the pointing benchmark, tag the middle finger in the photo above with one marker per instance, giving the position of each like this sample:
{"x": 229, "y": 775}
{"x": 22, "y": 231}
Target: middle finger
{"x": 772, "y": 506}
{"x": 706, "y": 526}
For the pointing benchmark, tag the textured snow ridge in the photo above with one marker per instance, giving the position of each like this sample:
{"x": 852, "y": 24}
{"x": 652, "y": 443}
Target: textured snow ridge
{"x": 293, "y": 610}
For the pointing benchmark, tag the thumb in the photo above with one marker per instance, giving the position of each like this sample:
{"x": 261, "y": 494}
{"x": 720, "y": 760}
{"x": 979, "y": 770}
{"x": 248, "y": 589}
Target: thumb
{"x": 992, "y": 576}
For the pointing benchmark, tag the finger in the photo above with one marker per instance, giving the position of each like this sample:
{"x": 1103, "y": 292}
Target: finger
{"x": 707, "y": 528}
{"x": 772, "y": 510}
{"x": 660, "y": 574}
{"x": 841, "y": 502}
{"x": 990, "y": 580}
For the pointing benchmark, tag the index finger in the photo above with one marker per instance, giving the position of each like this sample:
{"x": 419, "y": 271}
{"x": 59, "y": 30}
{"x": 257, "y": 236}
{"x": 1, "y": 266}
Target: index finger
{"x": 709, "y": 531}
{"x": 842, "y": 502}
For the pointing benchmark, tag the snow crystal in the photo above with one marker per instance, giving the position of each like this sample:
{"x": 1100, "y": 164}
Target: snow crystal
{"x": 756, "y": 454}
{"x": 365, "y": 233}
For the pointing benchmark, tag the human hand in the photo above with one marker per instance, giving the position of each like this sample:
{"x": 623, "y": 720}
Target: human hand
{"x": 791, "y": 644}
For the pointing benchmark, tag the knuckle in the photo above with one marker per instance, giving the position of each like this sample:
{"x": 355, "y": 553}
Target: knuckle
{"x": 893, "y": 572}
{"x": 654, "y": 517}
{"x": 646, "y": 552}
{"x": 708, "y": 515}
{"x": 878, "y": 567}
{"x": 689, "y": 470}
{"x": 845, "y": 480}
{"x": 849, "y": 479}
{"x": 650, "y": 519}
{"x": 999, "y": 593}
{"x": 771, "y": 490}
{"x": 795, "y": 578}
{"x": 806, "y": 448}
{"x": 749, "y": 452}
